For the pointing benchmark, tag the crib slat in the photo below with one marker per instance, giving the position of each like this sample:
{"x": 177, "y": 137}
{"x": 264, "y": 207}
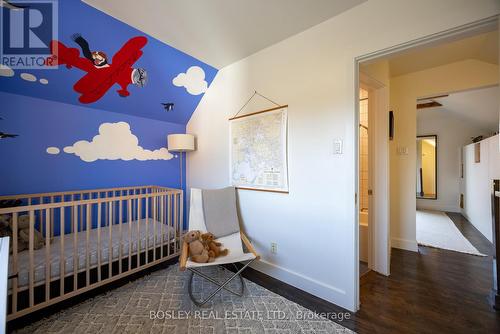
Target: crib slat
{"x": 72, "y": 213}
{"x": 181, "y": 220}
{"x": 52, "y": 218}
{"x": 138, "y": 240}
{"x": 147, "y": 230}
{"x": 176, "y": 221}
{"x": 75, "y": 244}
{"x": 48, "y": 230}
{"x": 32, "y": 258}
{"x": 81, "y": 214}
{"x": 99, "y": 247}
{"x": 129, "y": 212}
{"x": 110, "y": 241}
{"x": 169, "y": 221}
{"x": 38, "y": 218}
{"x": 62, "y": 270}
{"x": 120, "y": 217}
{"x": 154, "y": 227}
{"x": 87, "y": 252}
{"x": 14, "y": 261}
{"x": 139, "y": 214}
{"x": 162, "y": 222}
{"x": 133, "y": 206}
{"x": 106, "y": 211}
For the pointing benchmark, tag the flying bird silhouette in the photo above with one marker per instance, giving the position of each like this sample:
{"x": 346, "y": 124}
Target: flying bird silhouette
{"x": 7, "y": 135}
{"x": 169, "y": 106}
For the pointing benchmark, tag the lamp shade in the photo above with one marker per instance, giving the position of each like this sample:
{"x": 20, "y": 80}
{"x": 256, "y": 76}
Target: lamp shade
{"x": 180, "y": 142}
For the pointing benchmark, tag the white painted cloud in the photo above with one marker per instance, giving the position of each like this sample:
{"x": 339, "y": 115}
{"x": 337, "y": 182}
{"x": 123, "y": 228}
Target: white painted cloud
{"x": 44, "y": 81}
{"x": 193, "y": 80}
{"x": 28, "y": 77}
{"x": 6, "y": 71}
{"x": 53, "y": 150}
{"x": 115, "y": 141}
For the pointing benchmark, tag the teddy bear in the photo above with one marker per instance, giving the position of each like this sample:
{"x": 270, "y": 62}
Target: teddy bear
{"x": 208, "y": 240}
{"x": 197, "y": 251}
{"x": 23, "y": 227}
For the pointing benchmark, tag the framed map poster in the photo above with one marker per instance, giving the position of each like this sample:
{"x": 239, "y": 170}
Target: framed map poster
{"x": 258, "y": 144}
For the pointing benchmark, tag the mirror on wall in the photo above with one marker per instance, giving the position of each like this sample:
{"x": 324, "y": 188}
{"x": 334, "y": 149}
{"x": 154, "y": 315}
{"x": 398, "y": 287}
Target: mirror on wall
{"x": 427, "y": 167}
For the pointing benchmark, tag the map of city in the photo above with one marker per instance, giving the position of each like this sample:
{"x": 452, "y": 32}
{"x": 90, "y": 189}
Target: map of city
{"x": 259, "y": 151}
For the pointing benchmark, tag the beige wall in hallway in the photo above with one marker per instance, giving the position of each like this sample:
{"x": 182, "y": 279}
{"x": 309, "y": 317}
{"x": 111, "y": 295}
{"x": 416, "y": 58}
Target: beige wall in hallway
{"x": 405, "y": 90}
{"x": 453, "y": 132}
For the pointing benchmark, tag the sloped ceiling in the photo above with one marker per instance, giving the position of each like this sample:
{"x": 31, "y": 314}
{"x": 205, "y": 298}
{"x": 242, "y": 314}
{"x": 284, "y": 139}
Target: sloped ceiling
{"x": 483, "y": 47}
{"x": 162, "y": 63}
{"x": 220, "y": 32}
{"x": 478, "y": 107}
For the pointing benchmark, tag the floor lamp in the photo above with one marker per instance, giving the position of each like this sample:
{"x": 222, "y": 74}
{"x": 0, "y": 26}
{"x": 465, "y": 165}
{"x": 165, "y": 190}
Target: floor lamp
{"x": 180, "y": 143}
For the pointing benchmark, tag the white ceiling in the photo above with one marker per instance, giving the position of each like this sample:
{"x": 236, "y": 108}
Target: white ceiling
{"x": 483, "y": 47}
{"x": 479, "y": 107}
{"x": 220, "y": 32}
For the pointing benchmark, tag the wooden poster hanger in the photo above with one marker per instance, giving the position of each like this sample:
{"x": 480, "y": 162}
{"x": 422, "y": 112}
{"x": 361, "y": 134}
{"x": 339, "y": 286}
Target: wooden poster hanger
{"x": 278, "y": 106}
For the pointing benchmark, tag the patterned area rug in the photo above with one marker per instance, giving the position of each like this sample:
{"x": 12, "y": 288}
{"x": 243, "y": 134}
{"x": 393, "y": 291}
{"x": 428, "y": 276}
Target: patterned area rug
{"x": 159, "y": 303}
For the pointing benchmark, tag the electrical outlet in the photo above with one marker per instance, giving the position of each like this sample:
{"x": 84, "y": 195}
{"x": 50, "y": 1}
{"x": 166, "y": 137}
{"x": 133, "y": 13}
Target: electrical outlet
{"x": 274, "y": 248}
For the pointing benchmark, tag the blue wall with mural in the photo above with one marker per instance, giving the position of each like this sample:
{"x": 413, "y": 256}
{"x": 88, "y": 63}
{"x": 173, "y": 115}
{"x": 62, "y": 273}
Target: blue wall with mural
{"x": 103, "y": 33}
{"x": 109, "y": 72}
{"x": 27, "y": 167}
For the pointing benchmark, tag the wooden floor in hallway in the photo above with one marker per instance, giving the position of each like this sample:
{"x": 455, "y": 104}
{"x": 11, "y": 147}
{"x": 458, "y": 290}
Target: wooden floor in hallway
{"x": 432, "y": 291}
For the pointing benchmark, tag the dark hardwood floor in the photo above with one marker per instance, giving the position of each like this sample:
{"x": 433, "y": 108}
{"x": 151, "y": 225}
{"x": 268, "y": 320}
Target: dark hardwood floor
{"x": 432, "y": 291}
{"x": 471, "y": 233}
{"x": 363, "y": 268}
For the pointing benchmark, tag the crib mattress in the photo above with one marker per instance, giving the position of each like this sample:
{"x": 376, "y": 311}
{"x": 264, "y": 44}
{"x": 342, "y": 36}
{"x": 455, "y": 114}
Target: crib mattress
{"x": 81, "y": 250}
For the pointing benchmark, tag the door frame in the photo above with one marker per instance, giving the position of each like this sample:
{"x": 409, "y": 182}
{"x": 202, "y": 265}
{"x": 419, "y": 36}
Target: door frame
{"x": 462, "y": 31}
{"x": 378, "y": 174}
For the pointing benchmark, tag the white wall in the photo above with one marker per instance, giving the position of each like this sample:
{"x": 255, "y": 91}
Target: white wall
{"x": 453, "y": 133}
{"x": 405, "y": 89}
{"x": 477, "y": 184}
{"x": 313, "y": 72}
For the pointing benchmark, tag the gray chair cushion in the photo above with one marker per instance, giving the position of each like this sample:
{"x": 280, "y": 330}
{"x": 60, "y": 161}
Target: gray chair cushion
{"x": 219, "y": 209}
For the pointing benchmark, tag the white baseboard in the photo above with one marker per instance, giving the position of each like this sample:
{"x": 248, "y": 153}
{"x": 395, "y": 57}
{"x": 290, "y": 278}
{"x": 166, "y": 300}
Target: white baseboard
{"x": 437, "y": 206}
{"x": 319, "y": 289}
{"x": 410, "y": 245}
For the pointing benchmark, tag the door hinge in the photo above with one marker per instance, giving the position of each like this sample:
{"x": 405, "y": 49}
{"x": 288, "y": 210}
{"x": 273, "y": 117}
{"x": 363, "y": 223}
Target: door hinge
{"x": 355, "y": 198}
{"x": 370, "y": 192}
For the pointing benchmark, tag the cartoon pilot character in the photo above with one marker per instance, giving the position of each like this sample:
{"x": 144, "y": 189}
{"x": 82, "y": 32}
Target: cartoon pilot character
{"x": 98, "y": 58}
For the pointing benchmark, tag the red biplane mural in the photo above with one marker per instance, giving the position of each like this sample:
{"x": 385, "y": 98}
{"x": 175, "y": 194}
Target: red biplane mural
{"x": 101, "y": 75}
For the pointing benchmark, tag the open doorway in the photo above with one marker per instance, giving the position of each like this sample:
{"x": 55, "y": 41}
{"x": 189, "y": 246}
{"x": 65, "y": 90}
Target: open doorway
{"x": 364, "y": 185}
{"x": 423, "y": 72}
{"x": 447, "y": 124}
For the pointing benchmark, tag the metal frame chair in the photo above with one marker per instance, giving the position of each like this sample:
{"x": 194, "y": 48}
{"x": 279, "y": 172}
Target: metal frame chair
{"x": 234, "y": 242}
